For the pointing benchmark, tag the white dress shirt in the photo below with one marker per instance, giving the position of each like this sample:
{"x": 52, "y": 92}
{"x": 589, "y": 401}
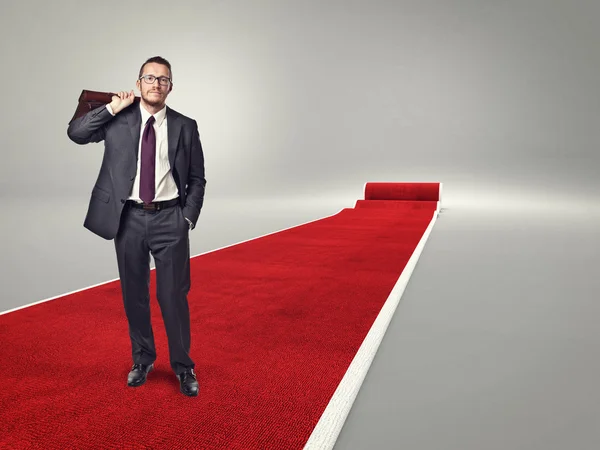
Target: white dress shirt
{"x": 165, "y": 187}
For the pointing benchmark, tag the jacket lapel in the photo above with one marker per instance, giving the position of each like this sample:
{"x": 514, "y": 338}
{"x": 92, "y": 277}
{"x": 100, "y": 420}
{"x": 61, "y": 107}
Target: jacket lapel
{"x": 173, "y": 131}
{"x": 135, "y": 123}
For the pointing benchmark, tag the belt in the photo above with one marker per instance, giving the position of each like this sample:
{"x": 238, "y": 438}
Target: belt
{"x": 154, "y": 206}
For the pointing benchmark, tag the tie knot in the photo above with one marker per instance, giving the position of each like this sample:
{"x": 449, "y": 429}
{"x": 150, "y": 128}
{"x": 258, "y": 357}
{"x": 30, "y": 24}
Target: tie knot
{"x": 150, "y": 120}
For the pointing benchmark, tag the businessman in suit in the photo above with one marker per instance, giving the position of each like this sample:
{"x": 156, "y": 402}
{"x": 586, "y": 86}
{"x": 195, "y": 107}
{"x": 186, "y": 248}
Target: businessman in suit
{"x": 147, "y": 197}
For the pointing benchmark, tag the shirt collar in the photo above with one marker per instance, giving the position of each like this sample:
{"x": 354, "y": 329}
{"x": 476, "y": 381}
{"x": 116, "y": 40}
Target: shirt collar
{"x": 158, "y": 117}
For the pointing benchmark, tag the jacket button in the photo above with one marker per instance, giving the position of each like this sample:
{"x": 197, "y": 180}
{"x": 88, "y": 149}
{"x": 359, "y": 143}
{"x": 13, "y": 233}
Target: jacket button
{"x": 122, "y": 200}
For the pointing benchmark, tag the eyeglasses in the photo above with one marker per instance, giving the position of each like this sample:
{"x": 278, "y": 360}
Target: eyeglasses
{"x": 164, "y": 81}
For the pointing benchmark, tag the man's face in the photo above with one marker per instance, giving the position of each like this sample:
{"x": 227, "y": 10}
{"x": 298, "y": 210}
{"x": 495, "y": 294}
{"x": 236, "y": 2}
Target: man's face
{"x": 154, "y": 94}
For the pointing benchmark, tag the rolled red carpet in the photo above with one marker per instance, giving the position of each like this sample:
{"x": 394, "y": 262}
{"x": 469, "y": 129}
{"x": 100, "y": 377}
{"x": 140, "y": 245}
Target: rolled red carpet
{"x": 276, "y": 323}
{"x": 403, "y": 191}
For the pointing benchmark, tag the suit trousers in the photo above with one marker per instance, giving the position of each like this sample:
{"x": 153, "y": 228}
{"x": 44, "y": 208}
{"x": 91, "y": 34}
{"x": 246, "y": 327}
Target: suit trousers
{"x": 164, "y": 234}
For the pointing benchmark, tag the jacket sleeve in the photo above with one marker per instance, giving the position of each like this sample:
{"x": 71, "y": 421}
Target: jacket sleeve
{"x": 91, "y": 127}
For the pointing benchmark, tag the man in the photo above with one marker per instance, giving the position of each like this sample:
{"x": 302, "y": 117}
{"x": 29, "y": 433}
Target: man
{"x": 147, "y": 197}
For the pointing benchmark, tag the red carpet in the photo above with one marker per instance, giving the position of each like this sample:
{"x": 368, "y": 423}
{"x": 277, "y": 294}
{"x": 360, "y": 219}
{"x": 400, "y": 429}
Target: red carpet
{"x": 276, "y": 322}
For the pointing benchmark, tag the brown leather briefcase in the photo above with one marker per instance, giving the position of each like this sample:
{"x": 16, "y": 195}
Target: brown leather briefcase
{"x": 89, "y": 100}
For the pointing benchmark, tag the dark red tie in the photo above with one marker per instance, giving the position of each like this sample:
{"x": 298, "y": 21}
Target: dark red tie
{"x": 148, "y": 163}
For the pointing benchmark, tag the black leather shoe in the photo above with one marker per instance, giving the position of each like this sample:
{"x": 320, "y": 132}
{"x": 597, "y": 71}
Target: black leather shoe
{"x": 138, "y": 374}
{"x": 188, "y": 383}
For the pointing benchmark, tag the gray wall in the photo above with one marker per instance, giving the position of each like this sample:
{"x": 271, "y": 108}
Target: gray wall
{"x": 497, "y": 100}
{"x": 293, "y": 97}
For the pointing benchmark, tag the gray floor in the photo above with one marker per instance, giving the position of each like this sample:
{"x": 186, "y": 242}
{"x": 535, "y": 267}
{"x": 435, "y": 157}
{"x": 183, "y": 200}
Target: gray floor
{"x": 494, "y": 344}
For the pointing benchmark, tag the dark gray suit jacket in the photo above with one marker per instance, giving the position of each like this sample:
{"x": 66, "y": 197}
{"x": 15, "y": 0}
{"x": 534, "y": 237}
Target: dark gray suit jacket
{"x": 121, "y": 135}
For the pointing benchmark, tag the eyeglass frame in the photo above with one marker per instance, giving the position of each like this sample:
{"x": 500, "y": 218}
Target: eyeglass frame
{"x": 169, "y": 81}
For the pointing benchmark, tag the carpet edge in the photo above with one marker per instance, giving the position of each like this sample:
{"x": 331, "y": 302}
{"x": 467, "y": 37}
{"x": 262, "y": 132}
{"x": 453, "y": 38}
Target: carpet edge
{"x": 55, "y": 297}
{"x": 330, "y": 424}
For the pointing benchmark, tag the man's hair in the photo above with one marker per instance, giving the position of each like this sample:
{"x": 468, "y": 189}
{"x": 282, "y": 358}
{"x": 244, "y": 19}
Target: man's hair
{"x": 159, "y": 60}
